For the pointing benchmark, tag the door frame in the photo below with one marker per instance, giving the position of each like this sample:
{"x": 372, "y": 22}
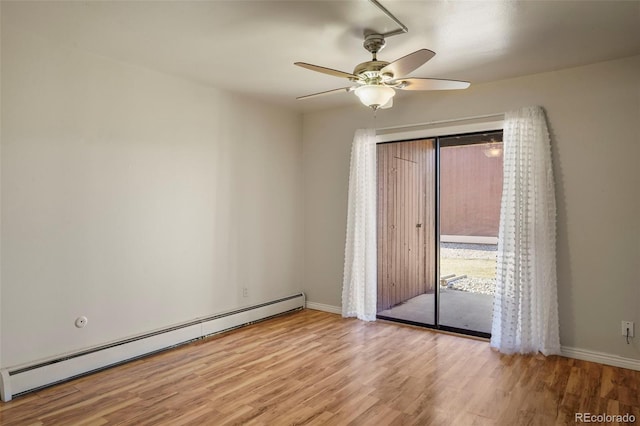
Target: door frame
{"x": 409, "y": 133}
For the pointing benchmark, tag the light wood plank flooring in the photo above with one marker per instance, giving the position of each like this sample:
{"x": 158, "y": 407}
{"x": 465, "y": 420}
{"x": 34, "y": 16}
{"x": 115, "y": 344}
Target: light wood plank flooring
{"x": 312, "y": 367}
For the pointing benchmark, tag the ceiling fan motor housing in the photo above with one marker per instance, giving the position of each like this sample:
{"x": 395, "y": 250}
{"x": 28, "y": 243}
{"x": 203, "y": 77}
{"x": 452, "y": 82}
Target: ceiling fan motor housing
{"x": 374, "y": 43}
{"x": 370, "y": 71}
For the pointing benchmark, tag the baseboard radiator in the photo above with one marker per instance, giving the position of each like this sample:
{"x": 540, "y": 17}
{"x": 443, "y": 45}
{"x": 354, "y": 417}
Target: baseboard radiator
{"x": 20, "y": 380}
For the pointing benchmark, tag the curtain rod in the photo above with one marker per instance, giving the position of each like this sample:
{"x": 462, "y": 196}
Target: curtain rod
{"x": 453, "y": 120}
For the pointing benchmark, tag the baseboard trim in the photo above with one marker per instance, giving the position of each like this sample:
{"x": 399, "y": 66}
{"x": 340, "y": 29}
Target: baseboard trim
{"x": 18, "y": 380}
{"x": 600, "y": 358}
{"x": 325, "y": 308}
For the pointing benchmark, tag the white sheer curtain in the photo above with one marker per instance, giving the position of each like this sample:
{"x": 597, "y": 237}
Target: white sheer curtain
{"x": 525, "y": 311}
{"x": 359, "y": 285}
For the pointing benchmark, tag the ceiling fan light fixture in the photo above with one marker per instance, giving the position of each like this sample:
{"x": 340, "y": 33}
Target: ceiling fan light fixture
{"x": 374, "y": 95}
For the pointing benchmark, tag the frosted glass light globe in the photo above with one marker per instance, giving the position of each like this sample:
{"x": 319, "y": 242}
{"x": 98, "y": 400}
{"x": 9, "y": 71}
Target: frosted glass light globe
{"x": 374, "y": 96}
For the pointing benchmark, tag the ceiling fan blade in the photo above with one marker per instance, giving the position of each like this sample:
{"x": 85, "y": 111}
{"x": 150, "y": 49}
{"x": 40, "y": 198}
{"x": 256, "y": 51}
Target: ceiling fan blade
{"x": 406, "y": 64}
{"x": 328, "y": 92}
{"x": 325, "y": 70}
{"x": 415, "y": 83}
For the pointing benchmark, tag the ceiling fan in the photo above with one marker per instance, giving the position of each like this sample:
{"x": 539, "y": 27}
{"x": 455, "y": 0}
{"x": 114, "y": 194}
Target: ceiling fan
{"x": 375, "y": 81}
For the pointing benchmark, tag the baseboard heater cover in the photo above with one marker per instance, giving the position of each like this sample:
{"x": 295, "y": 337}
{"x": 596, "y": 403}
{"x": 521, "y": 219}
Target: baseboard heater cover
{"x": 20, "y": 380}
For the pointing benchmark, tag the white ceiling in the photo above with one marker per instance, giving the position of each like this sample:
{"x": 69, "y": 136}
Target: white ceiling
{"x": 250, "y": 46}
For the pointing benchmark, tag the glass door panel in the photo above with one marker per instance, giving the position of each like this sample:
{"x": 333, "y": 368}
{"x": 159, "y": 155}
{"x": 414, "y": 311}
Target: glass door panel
{"x": 470, "y": 195}
{"x": 406, "y": 231}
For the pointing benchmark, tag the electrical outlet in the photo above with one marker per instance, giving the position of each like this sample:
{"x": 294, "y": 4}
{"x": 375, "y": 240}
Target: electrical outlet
{"x": 627, "y": 325}
{"x": 245, "y": 292}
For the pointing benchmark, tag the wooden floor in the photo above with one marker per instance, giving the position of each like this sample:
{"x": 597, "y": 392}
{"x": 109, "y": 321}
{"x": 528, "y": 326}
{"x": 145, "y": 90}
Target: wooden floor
{"x": 312, "y": 367}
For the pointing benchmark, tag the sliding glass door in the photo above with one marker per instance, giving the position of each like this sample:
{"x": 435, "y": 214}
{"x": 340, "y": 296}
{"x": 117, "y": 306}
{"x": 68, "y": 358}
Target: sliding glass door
{"x": 438, "y": 216}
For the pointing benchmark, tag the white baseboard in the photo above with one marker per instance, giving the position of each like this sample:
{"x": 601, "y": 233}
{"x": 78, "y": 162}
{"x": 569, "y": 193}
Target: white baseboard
{"x": 325, "y": 308}
{"x": 17, "y": 380}
{"x": 601, "y": 358}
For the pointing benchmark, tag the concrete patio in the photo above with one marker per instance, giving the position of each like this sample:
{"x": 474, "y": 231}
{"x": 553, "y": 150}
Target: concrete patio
{"x": 459, "y": 309}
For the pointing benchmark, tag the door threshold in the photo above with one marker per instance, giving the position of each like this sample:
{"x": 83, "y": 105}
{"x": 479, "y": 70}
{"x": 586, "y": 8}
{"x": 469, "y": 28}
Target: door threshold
{"x": 442, "y": 328}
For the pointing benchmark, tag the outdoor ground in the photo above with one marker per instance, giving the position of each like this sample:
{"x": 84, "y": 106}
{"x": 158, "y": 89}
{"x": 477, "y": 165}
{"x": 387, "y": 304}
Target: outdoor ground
{"x": 477, "y": 261}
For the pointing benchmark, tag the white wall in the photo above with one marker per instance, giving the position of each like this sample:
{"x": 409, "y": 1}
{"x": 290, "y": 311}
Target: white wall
{"x": 135, "y": 198}
{"x": 594, "y": 118}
